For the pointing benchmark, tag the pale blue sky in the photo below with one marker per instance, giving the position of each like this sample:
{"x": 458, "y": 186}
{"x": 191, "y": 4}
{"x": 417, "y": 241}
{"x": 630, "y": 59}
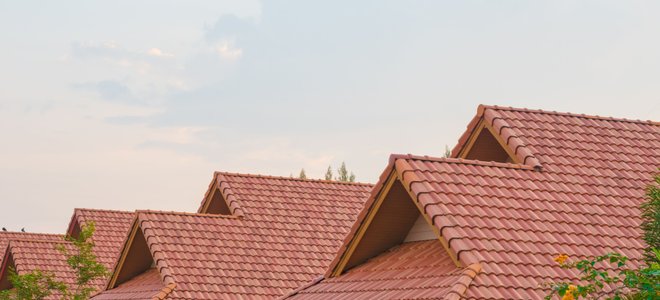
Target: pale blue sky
{"x": 133, "y": 104}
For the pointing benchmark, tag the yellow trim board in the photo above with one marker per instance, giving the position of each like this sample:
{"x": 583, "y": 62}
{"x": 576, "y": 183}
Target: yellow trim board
{"x": 124, "y": 254}
{"x": 339, "y": 269}
{"x": 475, "y": 135}
{"x": 207, "y": 201}
{"x": 392, "y": 178}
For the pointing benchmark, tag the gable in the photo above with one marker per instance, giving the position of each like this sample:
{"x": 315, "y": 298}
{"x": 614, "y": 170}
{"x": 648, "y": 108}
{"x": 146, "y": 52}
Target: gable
{"x": 486, "y": 145}
{"x": 6, "y": 265}
{"x": 217, "y": 205}
{"x": 393, "y": 218}
{"x": 135, "y": 259}
{"x": 214, "y": 201}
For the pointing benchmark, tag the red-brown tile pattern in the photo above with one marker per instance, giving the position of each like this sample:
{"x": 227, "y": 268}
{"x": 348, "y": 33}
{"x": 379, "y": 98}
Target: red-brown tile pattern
{"x": 287, "y": 233}
{"x": 111, "y": 229}
{"x": 38, "y": 251}
{"x": 6, "y": 236}
{"x": 30, "y": 255}
{"x": 422, "y": 270}
{"x": 578, "y": 194}
{"x": 144, "y": 286}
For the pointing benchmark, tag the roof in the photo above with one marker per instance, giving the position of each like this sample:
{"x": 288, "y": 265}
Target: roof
{"x": 422, "y": 270}
{"x": 6, "y": 236}
{"x": 30, "y": 255}
{"x": 111, "y": 229}
{"x": 38, "y": 251}
{"x": 575, "y": 190}
{"x": 287, "y": 233}
{"x": 143, "y": 286}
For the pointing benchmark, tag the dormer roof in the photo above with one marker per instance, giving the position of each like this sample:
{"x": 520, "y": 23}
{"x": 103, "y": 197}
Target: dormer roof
{"x": 574, "y": 187}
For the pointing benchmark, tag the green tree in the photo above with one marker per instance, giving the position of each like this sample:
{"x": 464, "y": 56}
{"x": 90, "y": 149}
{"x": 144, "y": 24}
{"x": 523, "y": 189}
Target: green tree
{"x": 447, "y": 152}
{"x": 34, "y": 285}
{"x": 651, "y": 221}
{"x": 328, "y": 173}
{"x": 37, "y": 285}
{"x": 343, "y": 174}
{"x": 302, "y": 175}
{"x": 84, "y": 262}
{"x": 608, "y": 276}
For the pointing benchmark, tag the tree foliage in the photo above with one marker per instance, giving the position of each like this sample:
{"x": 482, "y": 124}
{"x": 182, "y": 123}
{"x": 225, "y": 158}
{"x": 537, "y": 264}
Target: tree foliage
{"x": 343, "y": 174}
{"x": 447, "y": 152}
{"x": 302, "y": 174}
{"x": 37, "y": 285}
{"x": 34, "y": 285}
{"x": 608, "y": 276}
{"x": 84, "y": 262}
{"x": 328, "y": 173}
{"x": 651, "y": 220}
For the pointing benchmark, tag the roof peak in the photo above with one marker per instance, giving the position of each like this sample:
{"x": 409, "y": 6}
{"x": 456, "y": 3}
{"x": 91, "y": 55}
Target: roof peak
{"x": 30, "y": 233}
{"x": 180, "y": 213}
{"x": 37, "y": 240}
{"x": 482, "y": 107}
{"x": 103, "y": 210}
{"x": 461, "y": 161}
{"x": 291, "y": 178}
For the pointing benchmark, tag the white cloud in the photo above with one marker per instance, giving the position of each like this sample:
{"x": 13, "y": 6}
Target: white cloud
{"x": 159, "y": 53}
{"x": 227, "y": 51}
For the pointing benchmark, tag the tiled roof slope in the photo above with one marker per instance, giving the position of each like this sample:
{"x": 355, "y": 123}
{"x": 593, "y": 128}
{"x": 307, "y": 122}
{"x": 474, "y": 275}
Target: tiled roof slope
{"x": 286, "y": 234}
{"x": 30, "y": 255}
{"x": 579, "y": 195}
{"x": 38, "y": 251}
{"x": 111, "y": 229}
{"x": 143, "y": 286}
{"x": 422, "y": 270}
{"x": 6, "y": 236}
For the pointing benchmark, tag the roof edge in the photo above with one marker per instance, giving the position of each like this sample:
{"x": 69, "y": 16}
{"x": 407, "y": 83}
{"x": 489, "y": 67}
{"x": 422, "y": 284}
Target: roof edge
{"x": 165, "y": 291}
{"x": 462, "y": 161}
{"x": 292, "y": 178}
{"x": 302, "y": 287}
{"x": 191, "y": 214}
{"x": 568, "y": 114}
{"x": 463, "y": 282}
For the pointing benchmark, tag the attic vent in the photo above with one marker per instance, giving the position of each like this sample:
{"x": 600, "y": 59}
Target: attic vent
{"x": 486, "y": 147}
{"x": 218, "y": 205}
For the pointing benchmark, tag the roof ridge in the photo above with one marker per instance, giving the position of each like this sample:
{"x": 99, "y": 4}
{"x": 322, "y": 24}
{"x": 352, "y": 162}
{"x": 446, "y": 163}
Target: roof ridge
{"x": 568, "y": 114}
{"x": 102, "y": 210}
{"x": 182, "y": 213}
{"x": 463, "y": 282}
{"x": 12, "y": 241}
{"x": 461, "y": 161}
{"x": 291, "y": 178}
{"x": 510, "y": 137}
{"x": 31, "y": 233}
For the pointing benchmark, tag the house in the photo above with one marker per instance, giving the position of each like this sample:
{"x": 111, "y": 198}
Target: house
{"x": 254, "y": 237}
{"x": 28, "y": 252}
{"x": 522, "y": 187}
{"x": 6, "y": 237}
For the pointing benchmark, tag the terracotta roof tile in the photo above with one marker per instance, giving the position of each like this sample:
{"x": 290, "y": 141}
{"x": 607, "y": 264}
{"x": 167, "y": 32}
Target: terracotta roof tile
{"x": 417, "y": 269}
{"x": 38, "y": 251}
{"x": 111, "y": 229}
{"x": 30, "y": 255}
{"x": 286, "y": 234}
{"x": 513, "y": 219}
{"x": 6, "y": 236}
{"x": 144, "y": 286}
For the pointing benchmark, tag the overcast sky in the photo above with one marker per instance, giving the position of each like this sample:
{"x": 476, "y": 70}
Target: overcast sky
{"x": 133, "y": 104}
